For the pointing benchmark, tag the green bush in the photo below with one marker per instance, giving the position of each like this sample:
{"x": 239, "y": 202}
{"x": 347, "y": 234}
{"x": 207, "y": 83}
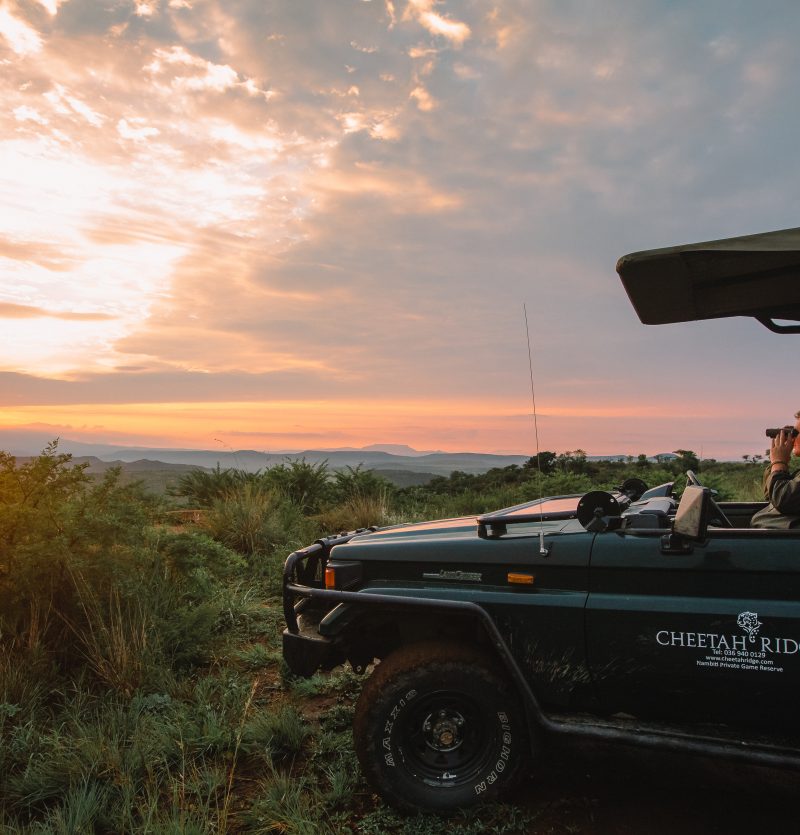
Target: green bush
{"x": 304, "y": 484}
{"x": 202, "y": 488}
{"x": 355, "y": 483}
{"x": 89, "y": 583}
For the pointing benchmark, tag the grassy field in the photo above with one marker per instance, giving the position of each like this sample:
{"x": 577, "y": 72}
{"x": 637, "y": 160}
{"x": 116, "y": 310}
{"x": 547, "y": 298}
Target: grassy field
{"x": 141, "y": 683}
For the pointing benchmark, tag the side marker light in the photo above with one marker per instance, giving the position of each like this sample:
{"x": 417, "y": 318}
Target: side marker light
{"x": 342, "y": 575}
{"x": 520, "y": 579}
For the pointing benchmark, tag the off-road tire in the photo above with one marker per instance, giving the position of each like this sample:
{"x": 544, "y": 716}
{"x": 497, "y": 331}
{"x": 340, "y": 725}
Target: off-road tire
{"x": 438, "y": 727}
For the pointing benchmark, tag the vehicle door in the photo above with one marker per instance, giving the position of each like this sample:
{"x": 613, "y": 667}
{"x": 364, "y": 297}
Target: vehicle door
{"x": 542, "y": 620}
{"x": 712, "y": 634}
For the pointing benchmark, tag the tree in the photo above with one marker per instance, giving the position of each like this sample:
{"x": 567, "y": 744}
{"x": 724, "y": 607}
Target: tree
{"x": 579, "y": 461}
{"x": 686, "y": 460}
{"x": 545, "y": 462}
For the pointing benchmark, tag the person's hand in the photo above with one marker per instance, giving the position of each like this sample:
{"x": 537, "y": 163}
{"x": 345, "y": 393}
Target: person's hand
{"x": 781, "y": 448}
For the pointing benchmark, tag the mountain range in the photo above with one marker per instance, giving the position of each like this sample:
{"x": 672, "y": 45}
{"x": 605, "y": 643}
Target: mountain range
{"x": 396, "y": 457}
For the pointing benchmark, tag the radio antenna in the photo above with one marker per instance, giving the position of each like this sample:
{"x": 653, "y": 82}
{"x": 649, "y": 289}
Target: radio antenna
{"x": 542, "y": 546}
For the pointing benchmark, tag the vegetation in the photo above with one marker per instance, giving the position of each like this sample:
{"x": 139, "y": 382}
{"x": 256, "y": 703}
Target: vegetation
{"x": 141, "y": 687}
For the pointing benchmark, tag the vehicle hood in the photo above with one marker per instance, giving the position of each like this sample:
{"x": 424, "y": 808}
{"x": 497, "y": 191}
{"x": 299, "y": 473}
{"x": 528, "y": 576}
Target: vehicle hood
{"x": 752, "y": 275}
{"x": 445, "y": 539}
{"x": 463, "y": 526}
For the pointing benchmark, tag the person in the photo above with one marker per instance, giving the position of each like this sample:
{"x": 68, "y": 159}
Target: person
{"x": 781, "y": 487}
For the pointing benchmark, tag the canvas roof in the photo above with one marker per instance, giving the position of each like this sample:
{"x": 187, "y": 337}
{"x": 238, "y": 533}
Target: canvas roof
{"x": 754, "y": 275}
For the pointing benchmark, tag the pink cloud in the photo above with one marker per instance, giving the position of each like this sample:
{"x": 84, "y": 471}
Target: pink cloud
{"x": 24, "y": 311}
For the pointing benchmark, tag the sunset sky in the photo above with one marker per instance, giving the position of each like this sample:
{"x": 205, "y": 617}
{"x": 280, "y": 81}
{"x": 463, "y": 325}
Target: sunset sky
{"x": 294, "y": 224}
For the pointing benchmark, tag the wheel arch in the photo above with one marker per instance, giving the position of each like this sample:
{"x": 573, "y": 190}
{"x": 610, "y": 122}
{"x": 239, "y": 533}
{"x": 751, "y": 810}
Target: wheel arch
{"x": 369, "y": 633}
{"x": 378, "y": 634}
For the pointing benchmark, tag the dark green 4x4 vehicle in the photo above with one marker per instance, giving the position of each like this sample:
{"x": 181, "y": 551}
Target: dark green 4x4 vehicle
{"x": 620, "y": 616}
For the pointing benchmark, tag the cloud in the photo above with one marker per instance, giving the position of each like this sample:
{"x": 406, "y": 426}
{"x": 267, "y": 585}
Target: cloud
{"x": 23, "y": 311}
{"x": 24, "y": 113}
{"x": 63, "y": 103}
{"x": 423, "y": 98}
{"x": 193, "y": 73}
{"x": 135, "y": 129}
{"x": 48, "y": 256}
{"x": 51, "y": 6}
{"x": 453, "y": 30}
{"x": 23, "y": 39}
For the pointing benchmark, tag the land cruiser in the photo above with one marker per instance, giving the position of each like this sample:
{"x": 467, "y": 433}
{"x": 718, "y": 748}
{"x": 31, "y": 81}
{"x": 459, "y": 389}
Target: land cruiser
{"x": 623, "y": 616}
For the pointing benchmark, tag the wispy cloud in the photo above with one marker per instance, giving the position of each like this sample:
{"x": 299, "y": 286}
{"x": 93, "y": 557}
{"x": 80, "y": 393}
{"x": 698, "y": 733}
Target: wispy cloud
{"x": 423, "y": 10}
{"x": 23, "y": 39}
{"x": 24, "y": 311}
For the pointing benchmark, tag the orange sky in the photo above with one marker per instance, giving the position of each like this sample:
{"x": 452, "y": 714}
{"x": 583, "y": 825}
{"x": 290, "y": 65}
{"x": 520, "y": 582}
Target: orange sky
{"x": 313, "y": 225}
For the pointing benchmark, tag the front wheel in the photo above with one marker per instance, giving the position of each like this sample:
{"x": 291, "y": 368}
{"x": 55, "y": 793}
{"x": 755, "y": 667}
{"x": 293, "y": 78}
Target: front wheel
{"x": 438, "y": 728}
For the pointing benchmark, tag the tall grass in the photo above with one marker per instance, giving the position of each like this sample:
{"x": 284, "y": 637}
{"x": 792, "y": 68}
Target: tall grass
{"x": 358, "y": 511}
{"x": 253, "y": 519}
{"x": 261, "y": 524}
{"x": 116, "y": 637}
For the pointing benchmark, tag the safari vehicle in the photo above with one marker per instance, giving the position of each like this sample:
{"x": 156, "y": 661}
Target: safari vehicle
{"x": 622, "y": 616}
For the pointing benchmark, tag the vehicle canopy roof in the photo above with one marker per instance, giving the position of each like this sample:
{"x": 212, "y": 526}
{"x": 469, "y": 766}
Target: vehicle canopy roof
{"x": 753, "y": 275}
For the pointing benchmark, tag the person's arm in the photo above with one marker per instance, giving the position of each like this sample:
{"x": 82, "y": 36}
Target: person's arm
{"x": 782, "y": 490}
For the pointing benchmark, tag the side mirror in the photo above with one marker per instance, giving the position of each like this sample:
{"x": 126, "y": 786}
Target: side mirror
{"x": 691, "y": 521}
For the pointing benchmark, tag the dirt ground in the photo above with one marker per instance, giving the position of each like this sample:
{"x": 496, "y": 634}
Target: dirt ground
{"x": 616, "y": 791}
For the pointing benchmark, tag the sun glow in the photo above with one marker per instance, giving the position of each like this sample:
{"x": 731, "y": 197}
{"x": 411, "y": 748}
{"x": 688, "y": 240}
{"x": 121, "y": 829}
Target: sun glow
{"x": 264, "y": 425}
{"x": 448, "y": 424}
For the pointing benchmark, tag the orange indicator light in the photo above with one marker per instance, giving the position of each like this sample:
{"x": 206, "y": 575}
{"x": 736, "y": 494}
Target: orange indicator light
{"x": 520, "y": 579}
{"x": 330, "y": 578}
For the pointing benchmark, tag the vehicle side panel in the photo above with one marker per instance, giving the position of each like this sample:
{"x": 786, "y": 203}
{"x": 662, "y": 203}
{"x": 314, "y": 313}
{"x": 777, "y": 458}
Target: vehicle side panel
{"x": 713, "y": 634}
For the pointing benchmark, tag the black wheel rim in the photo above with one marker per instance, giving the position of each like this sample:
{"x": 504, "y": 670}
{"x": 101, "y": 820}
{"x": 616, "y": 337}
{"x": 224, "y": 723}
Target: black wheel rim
{"x": 445, "y": 739}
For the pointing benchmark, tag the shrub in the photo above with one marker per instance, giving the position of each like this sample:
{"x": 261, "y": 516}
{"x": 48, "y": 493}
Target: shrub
{"x": 358, "y": 483}
{"x": 305, "y": 485}
{"x": 87, "y": 581}
{"x": 261, "y": 524}
{"x": 359, "y": 511}
{"x": 202, "y": 488}
{"x": 245, "y": 518}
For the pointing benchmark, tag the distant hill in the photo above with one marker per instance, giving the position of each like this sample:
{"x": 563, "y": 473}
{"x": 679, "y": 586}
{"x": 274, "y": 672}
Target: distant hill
{"x": 155, "y": 476}
{"x": 157, "y": 467}
{"x": 386, "y": 457}
{"x": 405, "y": 478}
{"x": 394, "y": 458}
{"x": 395, "y": 449}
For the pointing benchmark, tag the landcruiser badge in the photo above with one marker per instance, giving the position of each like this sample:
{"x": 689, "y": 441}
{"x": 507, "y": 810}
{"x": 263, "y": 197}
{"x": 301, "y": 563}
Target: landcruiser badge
{"x": 458, "y": 576}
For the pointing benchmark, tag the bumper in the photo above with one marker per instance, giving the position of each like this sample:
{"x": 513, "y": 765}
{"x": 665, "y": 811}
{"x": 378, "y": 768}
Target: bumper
{"x": 307, "y": 652}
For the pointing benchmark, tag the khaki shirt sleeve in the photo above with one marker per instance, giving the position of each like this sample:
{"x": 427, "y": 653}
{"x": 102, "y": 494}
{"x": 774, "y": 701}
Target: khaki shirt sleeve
{"x": 783, "y": 492}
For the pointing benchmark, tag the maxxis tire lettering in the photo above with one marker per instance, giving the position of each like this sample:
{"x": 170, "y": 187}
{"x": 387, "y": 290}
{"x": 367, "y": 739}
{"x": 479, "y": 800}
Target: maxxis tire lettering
{"x": 386, "y": 742}
{"x": 505, "y": 755}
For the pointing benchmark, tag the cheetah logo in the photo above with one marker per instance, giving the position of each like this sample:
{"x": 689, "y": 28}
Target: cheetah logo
{"x": 750, "y": 623}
